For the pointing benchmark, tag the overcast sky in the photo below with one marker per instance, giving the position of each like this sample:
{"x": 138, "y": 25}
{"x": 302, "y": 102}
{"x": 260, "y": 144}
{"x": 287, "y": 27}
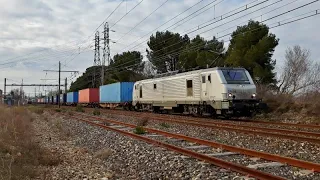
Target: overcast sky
{"x": 36, "y": 34}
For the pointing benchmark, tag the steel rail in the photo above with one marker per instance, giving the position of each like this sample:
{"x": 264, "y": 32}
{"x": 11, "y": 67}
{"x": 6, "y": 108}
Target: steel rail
{"x": 315, "y": 126}
{"x": 218, "y": 162}
{"x": 312, "y": 126}
{"x": 272, "y": 157}
{"x": 247, "y": 131}
{"x": 276, "y": 130}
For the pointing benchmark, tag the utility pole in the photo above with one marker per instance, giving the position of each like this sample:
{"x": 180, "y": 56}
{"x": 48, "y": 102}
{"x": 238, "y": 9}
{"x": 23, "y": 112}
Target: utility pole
{"x": 106, "y": 50}
{"x": 5, "y": 86}
{"x": 96, "y": 61}
{"x": 60, "y": 71}
{"x": 58, "y": 99}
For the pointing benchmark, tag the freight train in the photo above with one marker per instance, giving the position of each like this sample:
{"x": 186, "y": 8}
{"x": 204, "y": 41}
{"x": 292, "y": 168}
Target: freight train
{"x": 216, "y": 91}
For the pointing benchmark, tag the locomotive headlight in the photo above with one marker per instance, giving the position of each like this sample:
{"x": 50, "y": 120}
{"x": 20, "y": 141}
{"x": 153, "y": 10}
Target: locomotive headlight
{"x": 254, "y": 95}
{"x": 230, "y": 95}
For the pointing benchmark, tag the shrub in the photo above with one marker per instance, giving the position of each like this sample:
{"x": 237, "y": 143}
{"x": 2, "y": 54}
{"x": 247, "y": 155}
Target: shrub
{"x": 139, "y": 130}
{"x": 79, "y": 108}
{"x": 143, "y": 121}
{"x": 96, "y": 112}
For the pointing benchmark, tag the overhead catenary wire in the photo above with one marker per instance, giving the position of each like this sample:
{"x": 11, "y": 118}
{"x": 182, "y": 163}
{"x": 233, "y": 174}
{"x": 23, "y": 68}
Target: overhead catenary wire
{"x": 127, "y": 13}
{"x": 143, "y": 19}
{"x": 271, "y": 26}
{"x": 147, "y": 34}
{"x": 199, "y": 33}
{"x": 226, "y": 17}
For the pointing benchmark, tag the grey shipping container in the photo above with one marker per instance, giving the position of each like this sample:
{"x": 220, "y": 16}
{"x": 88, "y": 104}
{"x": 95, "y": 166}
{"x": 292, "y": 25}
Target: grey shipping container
{"x": 120, "y": 92}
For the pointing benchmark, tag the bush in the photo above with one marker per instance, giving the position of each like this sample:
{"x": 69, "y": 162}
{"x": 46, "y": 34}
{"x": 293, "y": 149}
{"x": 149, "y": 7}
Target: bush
{"x": 143, "y": 121}
{"x": 96, "y": 112}
{"x": 139, "y": 130}
{"x": 79, "y": 108}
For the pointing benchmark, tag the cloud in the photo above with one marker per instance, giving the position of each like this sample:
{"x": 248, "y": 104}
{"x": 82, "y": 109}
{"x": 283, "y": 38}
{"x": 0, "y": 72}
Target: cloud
{"x": 40, "y": 33}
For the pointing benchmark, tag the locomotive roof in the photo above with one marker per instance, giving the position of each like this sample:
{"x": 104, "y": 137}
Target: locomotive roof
{"x": 194, "y": 72}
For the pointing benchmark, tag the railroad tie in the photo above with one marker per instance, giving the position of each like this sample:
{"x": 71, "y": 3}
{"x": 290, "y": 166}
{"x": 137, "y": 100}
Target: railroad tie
{"x": 153, "y": 135}
{"x": 196, "y": 147}
{"x": 222, "y": 154}
{"x": 265, "y": 165}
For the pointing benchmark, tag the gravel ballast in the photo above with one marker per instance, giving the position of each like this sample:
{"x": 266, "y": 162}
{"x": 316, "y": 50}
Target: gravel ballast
{"x": 89, "y": 152}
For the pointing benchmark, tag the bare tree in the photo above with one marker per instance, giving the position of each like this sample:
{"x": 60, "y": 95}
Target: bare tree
{"x": 300, "y": 73}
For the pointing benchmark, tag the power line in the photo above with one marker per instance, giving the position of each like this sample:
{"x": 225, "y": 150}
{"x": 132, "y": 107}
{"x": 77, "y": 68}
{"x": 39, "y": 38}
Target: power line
{"x": 127, "y": 13}
{"x": 164, "y": 23}
{"x": 198, "y": 26}
{"x": 143, "y": 19}
{"x": 201, "y": 33}
{"x": 274, "y": 25}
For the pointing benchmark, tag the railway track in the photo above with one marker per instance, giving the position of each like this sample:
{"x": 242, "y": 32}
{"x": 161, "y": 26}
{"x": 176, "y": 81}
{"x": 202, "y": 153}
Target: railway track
{"x": 227, "y": 122}
{"x": 161, "y": 138}
{"x": 312, "y": 137}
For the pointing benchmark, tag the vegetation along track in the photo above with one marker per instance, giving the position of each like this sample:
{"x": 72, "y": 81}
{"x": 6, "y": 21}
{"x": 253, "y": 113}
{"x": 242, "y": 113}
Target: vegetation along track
{"x": 312, "y": 137}
{"x": 125, "y": 128}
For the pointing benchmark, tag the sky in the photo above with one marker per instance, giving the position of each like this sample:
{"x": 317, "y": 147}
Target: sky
{"x": 36, "y": 34}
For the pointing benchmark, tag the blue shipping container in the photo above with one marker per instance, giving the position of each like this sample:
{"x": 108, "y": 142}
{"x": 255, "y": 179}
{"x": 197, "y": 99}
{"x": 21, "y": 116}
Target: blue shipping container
{"x": 63, "y": 98}
{"x": 55, "y": 99}
{"x": 72, "y": 97}
{"x": 116, "y": 93}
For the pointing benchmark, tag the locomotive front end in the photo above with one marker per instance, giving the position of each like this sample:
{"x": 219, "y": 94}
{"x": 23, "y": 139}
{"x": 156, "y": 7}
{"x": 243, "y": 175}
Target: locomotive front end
{"x": 239, "y": 92}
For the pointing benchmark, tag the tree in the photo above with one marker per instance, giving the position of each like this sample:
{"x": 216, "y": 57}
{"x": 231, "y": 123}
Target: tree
{"x": 300, "y": 73}
{"x": 86, "y": 80}
{"x": 252, "y": 47}
{"x": 193, "y": 57}
{"x": 164, "y": 50}
{"x": 127, "y": 66}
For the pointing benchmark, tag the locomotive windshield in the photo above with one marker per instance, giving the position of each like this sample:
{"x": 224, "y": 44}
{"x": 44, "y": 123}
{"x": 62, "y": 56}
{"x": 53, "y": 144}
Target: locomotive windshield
{"x": 233, "y": 76}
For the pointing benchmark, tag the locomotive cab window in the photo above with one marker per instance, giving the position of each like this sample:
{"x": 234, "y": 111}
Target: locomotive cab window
{"x": 203, "y": 79}
{"x": 189, "y": 88}
{"x": 209, "y": 78}
{"x": 154, "y": 86}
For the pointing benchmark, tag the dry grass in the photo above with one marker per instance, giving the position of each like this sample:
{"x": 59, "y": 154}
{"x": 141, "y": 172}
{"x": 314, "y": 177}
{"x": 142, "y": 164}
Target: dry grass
{"x": 19, "y": 154}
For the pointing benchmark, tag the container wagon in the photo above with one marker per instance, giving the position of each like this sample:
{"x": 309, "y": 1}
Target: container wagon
{"x": 63, "y": 99}
{"x": 72, "y": 98}
{"x": 89, "y": 97}
{"x": 51, "y": 100}
{"x": 55, "y": 99}
{"x": 116, "y": 95}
